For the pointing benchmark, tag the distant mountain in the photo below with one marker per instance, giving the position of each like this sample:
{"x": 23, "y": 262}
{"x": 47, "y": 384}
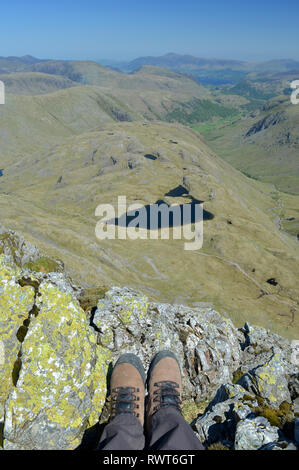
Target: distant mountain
{"x": 26, "y": 59}
{"x": 177, "y": 61}
{"x": 212, "y": 71}
{"x": 190, "y": 62}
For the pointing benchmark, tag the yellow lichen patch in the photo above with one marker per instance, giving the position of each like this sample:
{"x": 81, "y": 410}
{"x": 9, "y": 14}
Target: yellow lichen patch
{"x": 132, "y": 305}
{"x": 267, "y": 377}
{"x": 107, "y": 337}
{"x": 269, "y": 380}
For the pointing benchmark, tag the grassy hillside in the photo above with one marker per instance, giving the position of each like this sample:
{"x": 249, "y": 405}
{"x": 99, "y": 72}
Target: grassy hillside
{"x": 197, "y": 111}
{"x": 31, "y": 83}
{"x": 75, "y": 134}
{"x": 264, "y": 146}
{"x": 51, "y": 197}
{"x": 56, "y": 107}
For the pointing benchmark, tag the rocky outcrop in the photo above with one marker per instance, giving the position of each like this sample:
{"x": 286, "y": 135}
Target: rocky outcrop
{"x": 25, "y": 254}
{"x": 265, "y": 123}
{"x": 206, "y": 344}
{"x": 15, "y": 246}
{"x": 57, "y": 343}
{"x": 268, "y": 381}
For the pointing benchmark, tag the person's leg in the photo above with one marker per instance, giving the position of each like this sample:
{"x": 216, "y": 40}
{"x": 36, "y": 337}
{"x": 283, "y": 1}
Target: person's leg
{"x": 170, "y": 431}
{"x": 166, "y": 427}
{"x": 125, "y": 431}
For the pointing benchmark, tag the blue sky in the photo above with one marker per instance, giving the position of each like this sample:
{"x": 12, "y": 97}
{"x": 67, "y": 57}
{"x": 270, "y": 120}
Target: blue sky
{"x": 125, "y": 29}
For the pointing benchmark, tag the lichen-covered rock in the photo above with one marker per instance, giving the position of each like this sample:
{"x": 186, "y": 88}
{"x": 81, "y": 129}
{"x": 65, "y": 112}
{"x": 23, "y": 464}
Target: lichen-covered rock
{"x": 62, "y": 381}
{"x": 25, "y": 254}
{"x": 238, "y": 419}
{"x": 268, "y": 381}
{"x": 16, "y": 303}
{"x": 206, "y": 344}
{"x": 14, "y": 245}
{"x": 252, "y": 434}
{"x": 218, "y": 423}
{"x": 259, "y": 345}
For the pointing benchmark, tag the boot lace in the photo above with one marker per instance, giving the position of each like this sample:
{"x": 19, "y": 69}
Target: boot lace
{"x": 124, "y": 401}
{"x": 166, "y": 395}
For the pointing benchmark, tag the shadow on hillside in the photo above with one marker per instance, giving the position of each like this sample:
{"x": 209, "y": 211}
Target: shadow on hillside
{"x": 152, "y": 218}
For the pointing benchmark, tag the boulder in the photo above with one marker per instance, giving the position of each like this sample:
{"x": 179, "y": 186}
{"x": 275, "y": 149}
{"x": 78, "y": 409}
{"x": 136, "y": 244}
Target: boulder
{"x": 16, "y": 302}
{"x": 253, "y": 434}
{"x": 231, "y": 404}
{"x": 258, "y": 346}
{"x": 60, "y": 388}
{"x": 269, "y": 381}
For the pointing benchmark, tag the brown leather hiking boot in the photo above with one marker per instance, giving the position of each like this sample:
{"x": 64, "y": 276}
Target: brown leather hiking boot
{"x": 128, "y": 387}
{"x": 164, "y": 384}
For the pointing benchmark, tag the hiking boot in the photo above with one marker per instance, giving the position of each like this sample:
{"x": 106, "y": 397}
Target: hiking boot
{"x": 128, "y": 387}
{"x": 164, "y": 384}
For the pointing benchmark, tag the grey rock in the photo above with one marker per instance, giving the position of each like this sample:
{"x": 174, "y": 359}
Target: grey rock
{"x": 218, "y": 423}
{"x": 269, "y": 381}
{"x": 259, "y": 345}
{"x": 14, "y": 245}
{"x": 253, "y": 434}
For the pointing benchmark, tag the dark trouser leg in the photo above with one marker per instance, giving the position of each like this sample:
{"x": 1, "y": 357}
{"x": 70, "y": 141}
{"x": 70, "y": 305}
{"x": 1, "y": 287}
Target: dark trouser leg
{"x": 123, "y": 433}
{"x": 170, "y": 431}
